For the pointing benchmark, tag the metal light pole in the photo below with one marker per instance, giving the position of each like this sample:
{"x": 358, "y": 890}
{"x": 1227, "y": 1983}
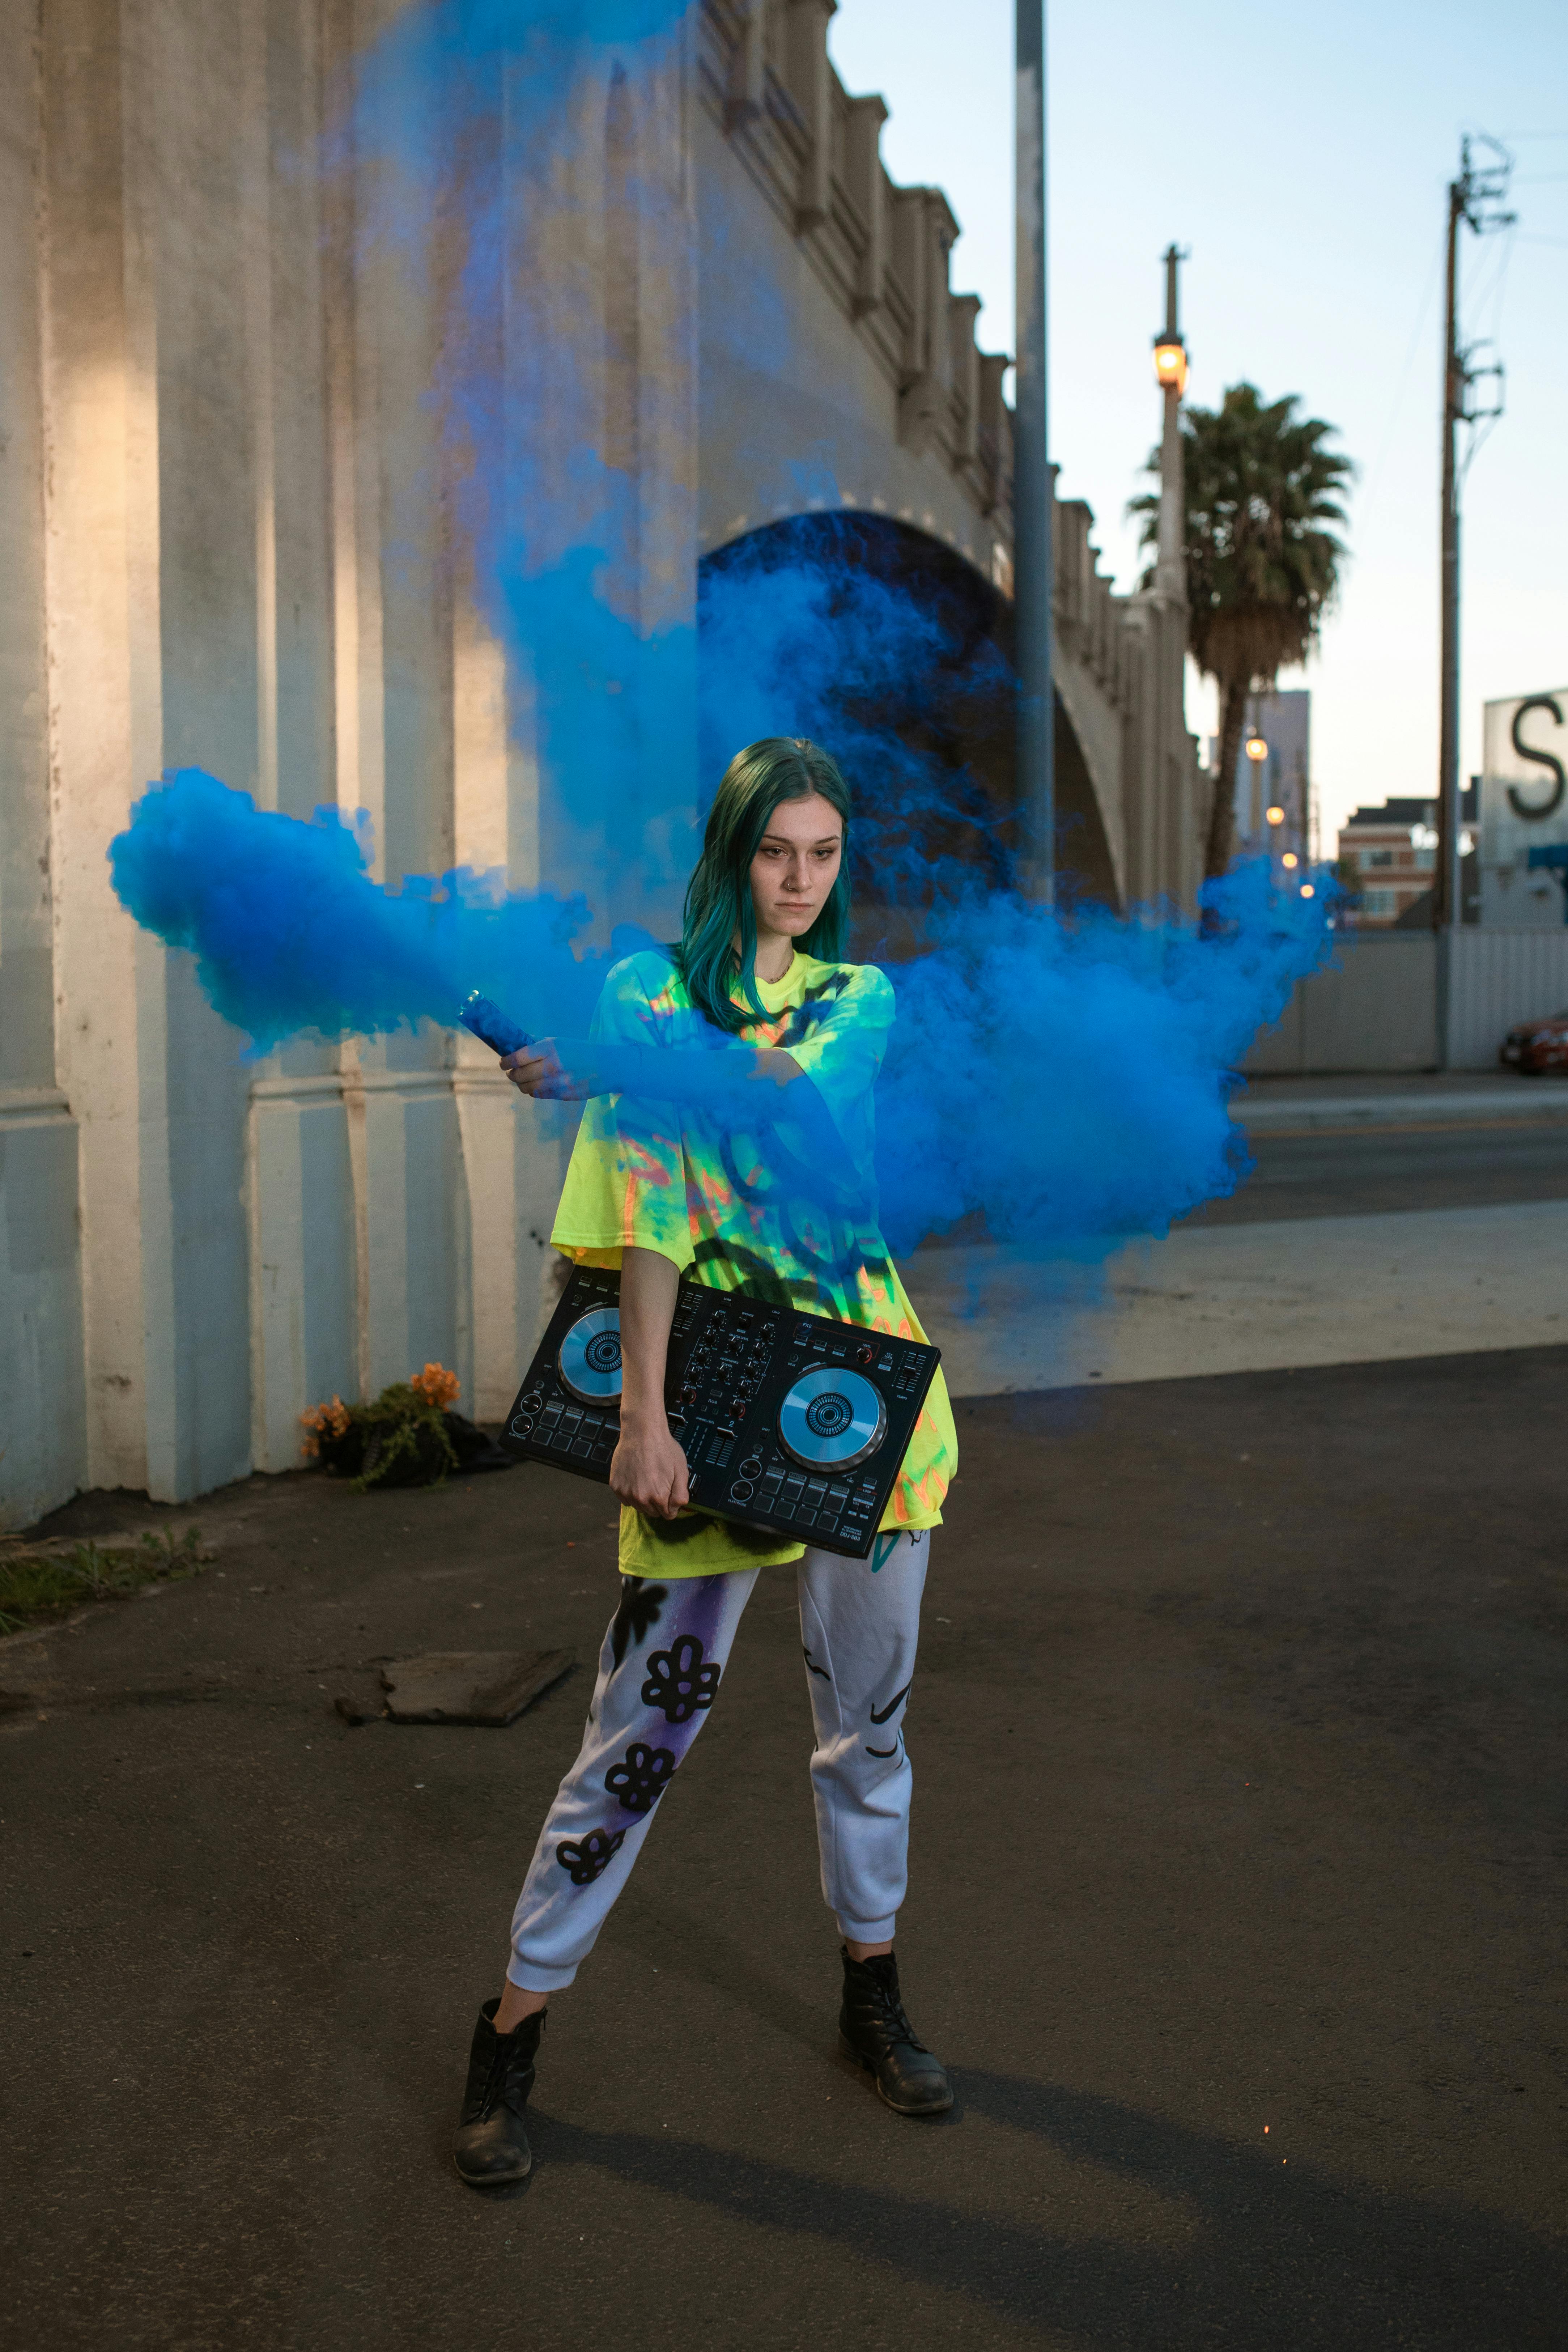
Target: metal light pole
{"x": 1033, "y": 562}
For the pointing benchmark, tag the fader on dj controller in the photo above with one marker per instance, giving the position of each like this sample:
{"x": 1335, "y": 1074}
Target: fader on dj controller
{"x": 789, "y": 1421}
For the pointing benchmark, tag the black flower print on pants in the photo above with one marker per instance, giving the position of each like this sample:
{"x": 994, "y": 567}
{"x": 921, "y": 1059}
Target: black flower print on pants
{"x": 589, "y": 1857}
{"x": 679, "y": 1683}
{"x": 638, "y": 1781}
{"x": 636, "y": 1615}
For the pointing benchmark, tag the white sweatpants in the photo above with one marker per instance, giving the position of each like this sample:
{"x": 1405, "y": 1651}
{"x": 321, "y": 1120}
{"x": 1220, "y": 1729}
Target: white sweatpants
{"x": 660, "y": 1667}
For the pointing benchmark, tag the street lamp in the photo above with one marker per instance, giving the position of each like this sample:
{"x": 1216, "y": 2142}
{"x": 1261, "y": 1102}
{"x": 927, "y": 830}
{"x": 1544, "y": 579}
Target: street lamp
{"x": 1275, "y": 815}
{"x": 1256, "y": 749}
{"x": 1171, "y": 363}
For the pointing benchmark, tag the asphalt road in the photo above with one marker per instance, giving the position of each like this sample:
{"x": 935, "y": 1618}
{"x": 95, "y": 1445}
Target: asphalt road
{"x": 1235, "y": 1911}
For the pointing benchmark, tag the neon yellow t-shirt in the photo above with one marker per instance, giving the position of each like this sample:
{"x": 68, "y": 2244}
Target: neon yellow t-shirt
{"x": 709, "y": 1198}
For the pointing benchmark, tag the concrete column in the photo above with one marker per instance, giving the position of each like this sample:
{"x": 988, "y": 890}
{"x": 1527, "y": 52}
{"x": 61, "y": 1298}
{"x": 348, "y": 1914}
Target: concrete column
{"x": 869, "y": 188}
{"x": 106, "y": 709}
{"x": 811, "y": 86}
{"x": 43, "y": 1449}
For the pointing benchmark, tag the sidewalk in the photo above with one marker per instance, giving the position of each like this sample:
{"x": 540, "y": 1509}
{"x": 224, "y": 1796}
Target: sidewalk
{"x": 1434, "y": 1099}
{"x": 1250, "y": 1298}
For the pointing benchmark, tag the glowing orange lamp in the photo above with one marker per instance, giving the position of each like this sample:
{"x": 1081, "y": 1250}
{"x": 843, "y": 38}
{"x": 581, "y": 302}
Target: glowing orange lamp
{"x": 1171, "y": 363}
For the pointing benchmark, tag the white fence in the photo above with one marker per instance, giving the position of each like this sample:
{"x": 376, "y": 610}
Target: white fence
{"x": 1375, "y": 1007}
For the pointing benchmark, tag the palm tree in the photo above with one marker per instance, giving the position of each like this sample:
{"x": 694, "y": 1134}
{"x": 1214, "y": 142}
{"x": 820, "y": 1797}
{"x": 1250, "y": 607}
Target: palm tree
{"x": 1262, "y": 566}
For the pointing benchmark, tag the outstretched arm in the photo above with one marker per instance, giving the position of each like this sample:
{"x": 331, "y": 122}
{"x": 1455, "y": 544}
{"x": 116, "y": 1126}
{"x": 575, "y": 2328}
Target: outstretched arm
{"x": 537, "y": 1068}
{"x": 649, "y": 1469}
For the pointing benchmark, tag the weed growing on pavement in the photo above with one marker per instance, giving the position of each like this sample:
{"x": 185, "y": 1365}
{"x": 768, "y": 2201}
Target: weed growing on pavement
{"x": 38, "y": 1587}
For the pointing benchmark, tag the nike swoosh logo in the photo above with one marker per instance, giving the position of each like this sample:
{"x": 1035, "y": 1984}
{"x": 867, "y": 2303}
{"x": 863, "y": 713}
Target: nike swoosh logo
{"x": 884, "y": 1752}
{"x": 805, "y": 1653}
{"x": 892, "y": 1703}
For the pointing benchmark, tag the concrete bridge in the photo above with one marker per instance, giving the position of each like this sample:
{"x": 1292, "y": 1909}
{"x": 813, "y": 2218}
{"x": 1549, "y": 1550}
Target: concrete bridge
{"x": 226, "y": 538}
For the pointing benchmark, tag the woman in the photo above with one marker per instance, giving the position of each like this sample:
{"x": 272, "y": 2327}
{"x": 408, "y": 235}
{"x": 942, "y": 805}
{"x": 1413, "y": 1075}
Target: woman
{"x": 761, "y": 1183}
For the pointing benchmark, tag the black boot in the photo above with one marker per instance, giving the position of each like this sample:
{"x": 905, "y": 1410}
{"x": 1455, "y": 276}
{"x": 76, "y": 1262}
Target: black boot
{"x": 491, "y": 2145}
{"x": 873, "y": 2028}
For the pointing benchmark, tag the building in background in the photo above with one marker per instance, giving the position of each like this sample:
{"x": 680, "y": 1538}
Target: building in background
{"x": 1388, "y": 861}
{"x": 1523, "y": 807}
{"x": 1273, "y": 772}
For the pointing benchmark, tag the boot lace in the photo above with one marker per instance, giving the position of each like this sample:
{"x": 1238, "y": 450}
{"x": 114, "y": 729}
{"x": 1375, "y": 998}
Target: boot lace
{"x": 891, "y": 2011}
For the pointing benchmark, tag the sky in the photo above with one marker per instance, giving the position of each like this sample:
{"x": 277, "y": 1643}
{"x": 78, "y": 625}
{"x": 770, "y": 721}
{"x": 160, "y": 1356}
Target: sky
{"x": 1303, "y": 156}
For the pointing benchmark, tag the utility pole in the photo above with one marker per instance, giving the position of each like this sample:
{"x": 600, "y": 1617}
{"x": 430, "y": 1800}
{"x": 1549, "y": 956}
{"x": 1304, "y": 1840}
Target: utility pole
{"x": 1033, "y": 560}
{"x": 1475, "y": 200}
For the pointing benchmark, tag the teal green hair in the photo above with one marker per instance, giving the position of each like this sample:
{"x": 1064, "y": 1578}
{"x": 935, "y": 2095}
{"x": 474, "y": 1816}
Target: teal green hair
{"x": 719, "y": 896}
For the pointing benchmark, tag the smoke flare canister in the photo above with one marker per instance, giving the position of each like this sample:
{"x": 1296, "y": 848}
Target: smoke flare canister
{"x": 497, "y": 1029}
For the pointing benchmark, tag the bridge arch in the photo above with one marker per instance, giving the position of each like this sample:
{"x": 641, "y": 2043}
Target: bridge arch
{"x": 895, "y": 651}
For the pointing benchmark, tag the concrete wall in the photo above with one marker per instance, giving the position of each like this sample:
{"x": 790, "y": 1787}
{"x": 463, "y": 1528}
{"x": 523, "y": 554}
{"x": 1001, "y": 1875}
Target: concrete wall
{"x": 1497, "y": 979}
{"x": 1374, "y": 1008}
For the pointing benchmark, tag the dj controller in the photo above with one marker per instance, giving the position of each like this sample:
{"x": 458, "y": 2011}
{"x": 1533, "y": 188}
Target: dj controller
{"x": 791, "y": 1422}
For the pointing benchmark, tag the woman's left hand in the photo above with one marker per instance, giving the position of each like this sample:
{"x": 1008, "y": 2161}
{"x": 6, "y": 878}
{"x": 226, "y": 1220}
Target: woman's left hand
{"x": 537, "y": 1070}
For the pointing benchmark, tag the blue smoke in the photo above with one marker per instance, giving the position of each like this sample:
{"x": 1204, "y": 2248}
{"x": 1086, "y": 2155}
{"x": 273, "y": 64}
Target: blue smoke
{"x": 291, "y": 937}
{"x": 1065, "y": 1078}
{"x": 458, "y": 130}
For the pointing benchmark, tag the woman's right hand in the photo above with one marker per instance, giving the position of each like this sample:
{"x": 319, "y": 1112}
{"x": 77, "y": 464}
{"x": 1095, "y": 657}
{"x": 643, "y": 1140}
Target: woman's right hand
{"x": 648, "y": 1469}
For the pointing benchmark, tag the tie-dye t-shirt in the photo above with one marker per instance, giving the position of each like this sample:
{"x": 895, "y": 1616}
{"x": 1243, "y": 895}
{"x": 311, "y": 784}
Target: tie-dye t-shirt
{"x": 720, "y": 1203}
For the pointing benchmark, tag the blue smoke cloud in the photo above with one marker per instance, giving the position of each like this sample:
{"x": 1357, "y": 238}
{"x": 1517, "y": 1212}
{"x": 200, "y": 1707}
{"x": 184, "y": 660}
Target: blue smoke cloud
{"x": 1063, "y": 1076}
{"x": 457, "y": 130}
{"x": 291, "y": 936}
{"x": 1067, "y": 1078}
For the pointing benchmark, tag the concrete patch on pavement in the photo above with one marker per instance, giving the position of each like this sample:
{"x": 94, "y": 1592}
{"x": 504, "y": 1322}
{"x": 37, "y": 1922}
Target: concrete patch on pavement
{"x": 1250, "y": 1298}
{"x": 471, "y": 1685}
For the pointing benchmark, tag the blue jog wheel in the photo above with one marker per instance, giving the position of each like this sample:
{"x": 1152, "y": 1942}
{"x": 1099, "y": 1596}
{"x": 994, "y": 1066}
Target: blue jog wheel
{"x": 590, "y": 1358}
{"x": 831, "y": 1419}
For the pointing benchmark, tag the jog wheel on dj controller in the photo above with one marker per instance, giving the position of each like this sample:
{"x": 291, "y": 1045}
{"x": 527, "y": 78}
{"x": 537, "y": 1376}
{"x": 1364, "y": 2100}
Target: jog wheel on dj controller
{"x": 590, "y": 1358}
{"x": 831, "y": 1419}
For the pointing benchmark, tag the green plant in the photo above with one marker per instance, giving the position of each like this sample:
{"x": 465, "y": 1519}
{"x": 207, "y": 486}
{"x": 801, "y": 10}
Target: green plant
{"x": 35, "y": 1587}
{"x": 403, "y": 1439}
{"x": 1263, "y": 567}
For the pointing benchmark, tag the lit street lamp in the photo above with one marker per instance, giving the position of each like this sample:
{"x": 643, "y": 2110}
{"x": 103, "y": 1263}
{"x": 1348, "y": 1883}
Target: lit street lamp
{"x": 1170, "y": 362}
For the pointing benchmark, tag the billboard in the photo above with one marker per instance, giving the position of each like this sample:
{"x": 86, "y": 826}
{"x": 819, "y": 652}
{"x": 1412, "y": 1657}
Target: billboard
{"x": 1523, "y": 807}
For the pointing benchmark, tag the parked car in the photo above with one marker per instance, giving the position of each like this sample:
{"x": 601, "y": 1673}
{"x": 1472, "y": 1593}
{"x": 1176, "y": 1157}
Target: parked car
{"x": 1537, "y": 1046}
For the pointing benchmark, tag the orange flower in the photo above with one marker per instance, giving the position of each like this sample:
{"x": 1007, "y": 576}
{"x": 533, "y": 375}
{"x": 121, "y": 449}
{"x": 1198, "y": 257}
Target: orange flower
{"x": 437, "y": 1386}
{"x": 322, "y": 1420}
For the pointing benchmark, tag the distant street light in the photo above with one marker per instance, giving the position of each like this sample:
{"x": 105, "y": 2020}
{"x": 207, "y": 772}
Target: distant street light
{"x": 1256, "y": 749}
{"x": 1275, "y": 815}
{"x": 1308, "y": 892}
{"x": 1290, "y": 861}
{"x": 1171, "y": 363}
